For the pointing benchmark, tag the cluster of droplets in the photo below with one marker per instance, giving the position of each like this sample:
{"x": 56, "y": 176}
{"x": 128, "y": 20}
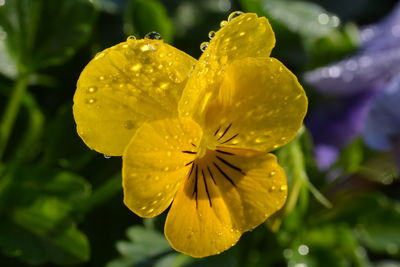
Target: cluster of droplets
{"x": 211, "y": 34}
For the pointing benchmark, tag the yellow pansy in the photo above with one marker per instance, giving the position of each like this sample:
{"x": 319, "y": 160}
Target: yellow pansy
{"x": 195, "y": 133}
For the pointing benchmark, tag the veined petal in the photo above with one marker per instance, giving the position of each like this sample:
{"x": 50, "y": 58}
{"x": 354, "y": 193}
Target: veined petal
{"x": 156, "y": 161}
{"x": 245, "y": 36}
{"x": 260, "y": 106}
{"x": 230, "y": 191}
{"x": 124, "y": 86}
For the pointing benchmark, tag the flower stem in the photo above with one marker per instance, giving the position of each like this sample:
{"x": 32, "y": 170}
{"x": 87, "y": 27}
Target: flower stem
{"x": 11, "y": 112}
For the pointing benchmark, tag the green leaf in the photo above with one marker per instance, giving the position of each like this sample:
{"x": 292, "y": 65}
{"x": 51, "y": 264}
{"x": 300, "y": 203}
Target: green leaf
{"x": 42, "y": 232}
{"x": 379, "y": 228}
{"x": 143, "y": 244}
{"x": 333, "y": 243}
{"x": 42, "y": 33}
{"x": 144, "y": 16}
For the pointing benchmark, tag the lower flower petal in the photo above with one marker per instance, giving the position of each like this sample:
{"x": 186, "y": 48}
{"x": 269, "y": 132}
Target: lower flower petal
{"x": 229, "y": 191}
{"x": 155, "y": 162}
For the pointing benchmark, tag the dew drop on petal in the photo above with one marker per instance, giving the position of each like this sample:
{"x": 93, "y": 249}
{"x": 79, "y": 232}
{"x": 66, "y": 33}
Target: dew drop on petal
{"x": 106, "y": 156}
{"x": 233, "y": 15}
{"x": 283, "y": 188}
{"x": 223, "y": 23}
{"x": 203, "y": 46}
{"x": 271, "y": 173}
{"x": 272, "y": 188}
{"x": 90, "y": 101}
{"x": 92, "y": 89}
{"x": 153, "y": 36}
{"x": 150, "y": 211}
{"x": 211, "y": 34}
{"x": 131, "y": 38}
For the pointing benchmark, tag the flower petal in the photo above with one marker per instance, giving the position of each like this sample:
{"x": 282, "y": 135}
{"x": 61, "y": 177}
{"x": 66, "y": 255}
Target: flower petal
{"x": 245, "y": 36}
{"x": 229, "y": 192}
{"x": 155, "y": 162}
{"x": 260, "y": 106}
{"x": 125, "y": 85}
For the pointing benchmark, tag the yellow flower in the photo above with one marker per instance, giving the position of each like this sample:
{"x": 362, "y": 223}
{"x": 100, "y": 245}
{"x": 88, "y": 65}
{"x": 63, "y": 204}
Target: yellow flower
{"x": 194, "y": 133}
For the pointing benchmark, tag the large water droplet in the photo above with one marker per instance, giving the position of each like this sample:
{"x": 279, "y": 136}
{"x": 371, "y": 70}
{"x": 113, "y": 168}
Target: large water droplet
{"x": 131, "y": 38}
{"x": 153, "y": 36}
{"x": 283, "y": 188}
{"x": 203, "y": 46}
{"x": 211, "y": 34}
{"x": 234, "y": 14}
{"x": 223, "y": 23}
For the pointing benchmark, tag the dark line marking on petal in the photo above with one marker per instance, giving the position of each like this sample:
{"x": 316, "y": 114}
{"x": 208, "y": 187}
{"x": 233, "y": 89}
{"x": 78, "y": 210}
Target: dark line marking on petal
{"x": 230, "y": 139}
{"x": 191, "y": 170}
{"x": 212, "y": 176}
{"x": 231, "y": 165}
{"x": 224, "y": 152}
{"x": 226, "y": 130}
{"x": 195, "y": 185}
{"x": 217, "y": 131}
{"x": 189, "y": 152}
{"x": 193, "y": 144}
{"x": 189, "y": 163}
{"x": 224, "y": 174}
{"x": 205, "y": 185}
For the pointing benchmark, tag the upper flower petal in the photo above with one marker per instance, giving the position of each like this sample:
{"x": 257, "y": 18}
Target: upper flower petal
{"x": 156, "y": 161}
{"x": 245, "y": 36}
{"x": 226, "y": 194}
{"x": 260, "y": 106}
{"x": 125, "y": 85}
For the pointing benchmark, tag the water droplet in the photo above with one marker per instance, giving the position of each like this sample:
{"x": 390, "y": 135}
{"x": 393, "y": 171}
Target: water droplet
{"x": 242, "y": 34}
{"x": 99, "y": 55}
{"x": 101, "y": 78}
{"x": 223, "y": 23}
{"x": 159, "y": 194}
{"x": 154, "y": 202}
{"x": 272, "y": 173}
{"x": 153, "y": 36}
{"x": 272, "y": 188}
{"x": 169, "y": 153}
{"x": 143, "y": 208}
{"x": 136, "y": 67}
{"x": 90, "y": 100}
{"x": 150, "y": 211}
{"x": 262, "y": 138}
{"x": 129, "y": 125}
{"x": 106, "y": 156}
{"x": 131, "y": 38}
{"x": 92, "y": 89}
{"x": 203, "y": 46}
{"x": 211, "y": 34}
{"x": 234, "y": 14}
{"x": 166, "y": 169}
{"x": 283, "y": 188}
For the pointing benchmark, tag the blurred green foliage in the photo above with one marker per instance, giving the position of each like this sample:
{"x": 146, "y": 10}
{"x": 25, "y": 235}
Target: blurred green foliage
{"x": 61, "y": 204}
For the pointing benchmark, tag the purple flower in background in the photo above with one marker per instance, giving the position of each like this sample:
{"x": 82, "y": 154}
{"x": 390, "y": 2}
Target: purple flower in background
{"x": 382, "y": 125}
{"x": 349, "y": 87}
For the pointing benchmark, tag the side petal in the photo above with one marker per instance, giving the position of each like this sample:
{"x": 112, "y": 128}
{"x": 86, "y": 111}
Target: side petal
{"x": 229, "y": 192}
{"x": 124, "y": 86}
{"x": 155, "y": 162}
{"x": 244, "y": 36}
{"x": 260, "y": 106}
